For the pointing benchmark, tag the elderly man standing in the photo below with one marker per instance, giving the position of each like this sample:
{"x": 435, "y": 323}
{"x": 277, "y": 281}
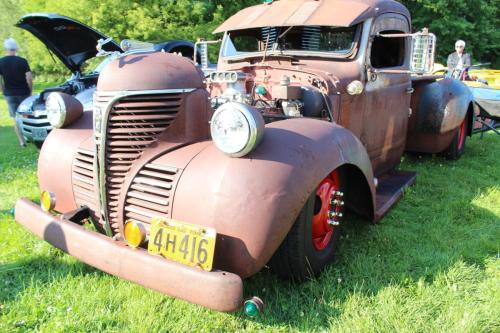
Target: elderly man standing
{"x": 15, "y": 80}
{"x": 458, "y": 62}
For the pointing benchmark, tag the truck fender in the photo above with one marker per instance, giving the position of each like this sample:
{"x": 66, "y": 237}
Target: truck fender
{"x": 56, "y": 159}
{"x": 439, "y": 108}
{"x": 253, "y": 201}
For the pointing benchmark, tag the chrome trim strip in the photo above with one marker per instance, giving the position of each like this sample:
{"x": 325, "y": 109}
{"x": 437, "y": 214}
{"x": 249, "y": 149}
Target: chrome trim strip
{"x": 100, "y": 159}
{"x": 123, "y": 93}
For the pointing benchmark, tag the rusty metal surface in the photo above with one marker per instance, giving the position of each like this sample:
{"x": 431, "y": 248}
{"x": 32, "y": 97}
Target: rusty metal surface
{"x": 190, "y": 126}
{"x": 378, "y": 116}
{"x": 438, "y": 109}
{"x": 164, "y": 96}
{"x": 253, "y": 201}
{"x": 341, "y": 13}
{"x": 385, "y": 102}
{"x": 74, "y": 108}
{"x": 218, "y": 290}
{"x": 56, "y": 160}
{"x": 150, "y": 71}
{"x": 390, "y": 189}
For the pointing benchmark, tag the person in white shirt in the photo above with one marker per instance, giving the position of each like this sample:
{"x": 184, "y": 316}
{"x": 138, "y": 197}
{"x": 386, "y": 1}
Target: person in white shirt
{"x": 459, "y": 61}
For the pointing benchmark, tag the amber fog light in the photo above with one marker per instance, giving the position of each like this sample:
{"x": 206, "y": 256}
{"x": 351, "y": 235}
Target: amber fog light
{"x": 47, "y": 201}
{"x": 135, "y": 233}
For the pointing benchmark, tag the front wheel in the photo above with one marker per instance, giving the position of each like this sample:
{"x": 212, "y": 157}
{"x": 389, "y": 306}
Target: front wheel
{"x": 38, "y": 144}
{"x": 311, "y": 243}
{"x": 457, "y": 146}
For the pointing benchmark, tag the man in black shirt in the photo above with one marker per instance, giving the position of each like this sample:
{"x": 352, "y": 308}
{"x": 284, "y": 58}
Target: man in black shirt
{"x": 15, "y": 80}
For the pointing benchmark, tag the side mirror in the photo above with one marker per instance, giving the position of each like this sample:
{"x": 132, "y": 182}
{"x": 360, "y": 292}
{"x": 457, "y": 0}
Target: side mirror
{"x": 202, "y": 46}
{"x": 423, "y": 50}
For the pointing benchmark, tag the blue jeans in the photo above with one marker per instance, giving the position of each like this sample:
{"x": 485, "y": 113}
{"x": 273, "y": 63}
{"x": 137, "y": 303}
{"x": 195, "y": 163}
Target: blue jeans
{"x": 13, "y": 103}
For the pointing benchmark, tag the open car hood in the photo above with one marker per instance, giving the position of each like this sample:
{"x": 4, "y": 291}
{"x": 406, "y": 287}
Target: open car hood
{"x": 71, "y": 41}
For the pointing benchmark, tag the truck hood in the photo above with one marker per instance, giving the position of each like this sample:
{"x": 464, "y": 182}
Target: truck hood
{"x": 71, "y": 41}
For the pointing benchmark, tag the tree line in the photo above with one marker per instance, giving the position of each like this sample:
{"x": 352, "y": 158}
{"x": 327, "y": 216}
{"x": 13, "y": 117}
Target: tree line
{"x": 475, "y": 21}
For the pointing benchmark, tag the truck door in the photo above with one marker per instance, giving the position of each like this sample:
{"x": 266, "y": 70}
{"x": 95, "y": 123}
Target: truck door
{"x": 387, "y": 92}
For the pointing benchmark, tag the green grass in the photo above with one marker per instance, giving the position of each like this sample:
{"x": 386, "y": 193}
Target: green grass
{"x": 431, "y": 265}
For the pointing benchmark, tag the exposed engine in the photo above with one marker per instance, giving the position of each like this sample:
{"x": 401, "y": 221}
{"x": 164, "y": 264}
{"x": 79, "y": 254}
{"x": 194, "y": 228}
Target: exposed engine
{"x": 285, "y": 97}
{"x": 73, "y": 87}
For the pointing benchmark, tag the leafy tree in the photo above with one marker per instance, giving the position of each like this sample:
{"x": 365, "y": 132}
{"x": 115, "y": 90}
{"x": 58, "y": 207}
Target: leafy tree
{"x": 148, "y": 20}
{"x": 474, "y": 21}
{"x": 9, "y": 13}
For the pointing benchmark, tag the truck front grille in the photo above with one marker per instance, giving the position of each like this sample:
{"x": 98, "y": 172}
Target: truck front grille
{"x": 30, "y": 124}
{"x": 150, "y": 193}
{"x": 83, "y": 180}
{"x": 134, "y": 122}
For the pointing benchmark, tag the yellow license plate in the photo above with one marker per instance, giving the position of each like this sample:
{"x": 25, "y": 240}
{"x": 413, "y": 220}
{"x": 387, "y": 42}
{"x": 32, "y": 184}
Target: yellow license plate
{"x": 185, "y": 243}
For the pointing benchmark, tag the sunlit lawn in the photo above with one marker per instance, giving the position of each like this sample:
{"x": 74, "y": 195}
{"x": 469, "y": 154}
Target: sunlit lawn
{"x": 431, "y": 265}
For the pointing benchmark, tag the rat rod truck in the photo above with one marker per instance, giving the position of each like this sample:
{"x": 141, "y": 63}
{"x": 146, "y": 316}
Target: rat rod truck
{"x": 194, "y": 181}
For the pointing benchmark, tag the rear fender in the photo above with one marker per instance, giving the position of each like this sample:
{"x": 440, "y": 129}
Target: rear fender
{"x": 439, "y": 109}
{"x": 253, "y": 201}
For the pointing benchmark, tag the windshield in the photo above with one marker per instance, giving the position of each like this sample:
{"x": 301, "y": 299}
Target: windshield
{"x": 301, "y": 40}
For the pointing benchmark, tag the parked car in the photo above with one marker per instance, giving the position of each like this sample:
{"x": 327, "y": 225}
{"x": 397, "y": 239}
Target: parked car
{"x": 484, "y": 85}
{"x": 194, "y": 184}
{"x": 74, "y": 43}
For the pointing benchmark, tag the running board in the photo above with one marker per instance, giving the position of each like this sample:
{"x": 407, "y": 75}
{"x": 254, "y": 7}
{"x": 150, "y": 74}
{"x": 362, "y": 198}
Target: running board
{"x": 390, "y": 189}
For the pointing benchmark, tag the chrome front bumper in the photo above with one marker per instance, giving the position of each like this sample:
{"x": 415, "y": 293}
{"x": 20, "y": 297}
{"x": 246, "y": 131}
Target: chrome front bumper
{"x": 30, "y": 125}
{"x": 218, "y": 290}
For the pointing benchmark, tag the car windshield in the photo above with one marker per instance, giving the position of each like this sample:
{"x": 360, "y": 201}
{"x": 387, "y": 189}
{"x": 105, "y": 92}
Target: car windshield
{"x": 300, "y": 40}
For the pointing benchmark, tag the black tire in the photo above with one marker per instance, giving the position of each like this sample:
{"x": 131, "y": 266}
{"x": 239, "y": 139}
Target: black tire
{"x": 457, "y": 146}
{"x": 38, "y": 144}
{"x": 297, "y": 259}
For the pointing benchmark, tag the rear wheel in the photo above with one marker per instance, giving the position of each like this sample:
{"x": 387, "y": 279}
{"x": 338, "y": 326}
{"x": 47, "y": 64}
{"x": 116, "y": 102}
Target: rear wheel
{"x": 311, "y": 243}
{"x": 457, "y": 146}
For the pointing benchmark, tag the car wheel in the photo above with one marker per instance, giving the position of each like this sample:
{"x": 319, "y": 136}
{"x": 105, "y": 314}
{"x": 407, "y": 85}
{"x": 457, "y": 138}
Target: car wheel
{"x": 457, "y": 146}
{"x": 38, "y": 144}
{"x": 311, "y": 243}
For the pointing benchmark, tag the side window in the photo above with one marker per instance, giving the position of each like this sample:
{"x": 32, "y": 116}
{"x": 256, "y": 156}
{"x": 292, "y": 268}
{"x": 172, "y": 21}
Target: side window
{"x": 388, "y": 51}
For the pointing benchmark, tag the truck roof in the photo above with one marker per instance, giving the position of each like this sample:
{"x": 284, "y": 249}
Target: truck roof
{"x": 340, "y": 13}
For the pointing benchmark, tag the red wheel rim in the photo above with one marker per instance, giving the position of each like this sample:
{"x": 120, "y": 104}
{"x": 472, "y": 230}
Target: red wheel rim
{"x": 461, "y": 135}
{"x": 328, "y": 207}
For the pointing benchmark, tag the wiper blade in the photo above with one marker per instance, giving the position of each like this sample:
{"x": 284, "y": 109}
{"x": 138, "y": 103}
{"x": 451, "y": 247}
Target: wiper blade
{"x": 269, "y": 55}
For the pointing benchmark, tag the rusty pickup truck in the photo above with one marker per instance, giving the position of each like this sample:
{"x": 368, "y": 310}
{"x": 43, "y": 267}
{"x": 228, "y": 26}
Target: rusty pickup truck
{"x": 192, "y": 179}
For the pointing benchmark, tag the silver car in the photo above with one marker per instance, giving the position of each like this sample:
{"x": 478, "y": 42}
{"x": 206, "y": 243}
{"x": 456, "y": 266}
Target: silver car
{"x": 74, "y": 44}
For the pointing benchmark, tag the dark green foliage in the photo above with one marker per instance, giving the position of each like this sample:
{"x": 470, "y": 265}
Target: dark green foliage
{"x": 148, "y": 20}
{"x": 475, "y": 21}
{"x": 9, "y": 13}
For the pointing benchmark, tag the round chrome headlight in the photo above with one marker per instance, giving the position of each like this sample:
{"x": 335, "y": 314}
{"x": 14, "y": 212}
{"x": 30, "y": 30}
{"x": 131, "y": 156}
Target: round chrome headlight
{"x": 56, "y": 110}
{"x": 236, "y": 128}
{"x": 62, "y": 109}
